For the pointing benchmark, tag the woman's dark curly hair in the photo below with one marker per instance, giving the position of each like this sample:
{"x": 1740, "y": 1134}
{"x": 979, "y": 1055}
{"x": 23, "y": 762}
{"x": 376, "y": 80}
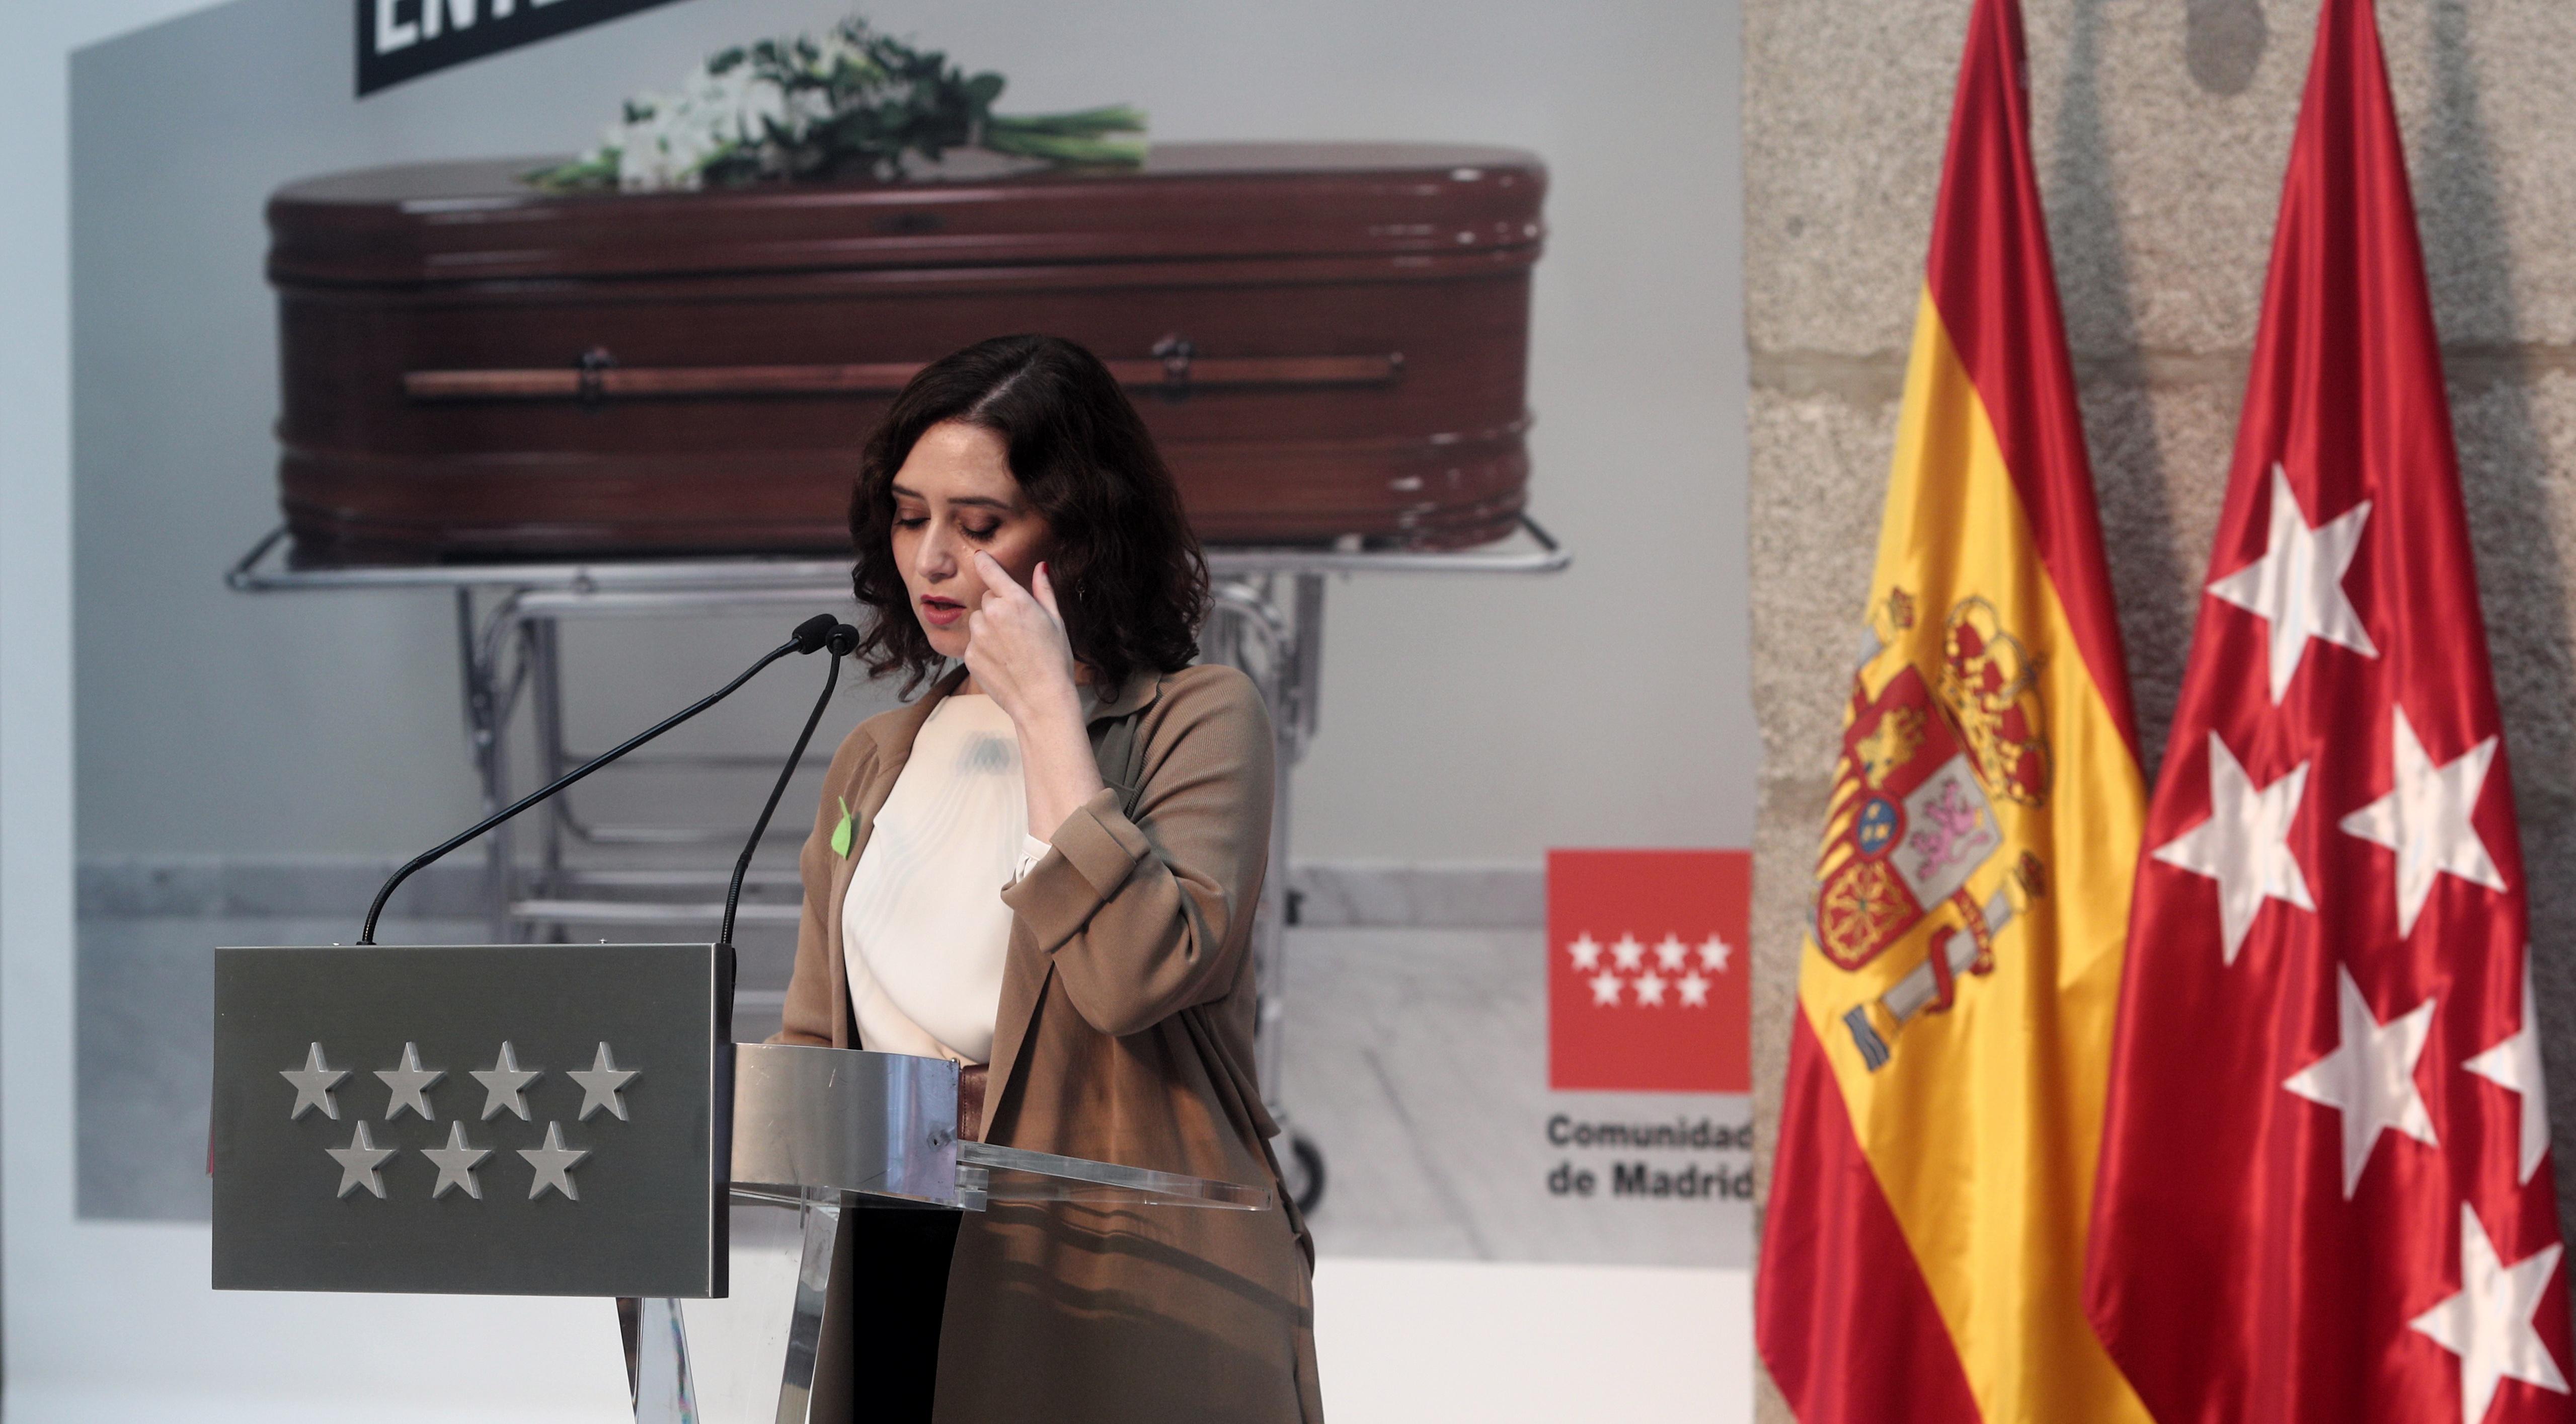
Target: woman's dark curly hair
{"x": 1128, "y": 574}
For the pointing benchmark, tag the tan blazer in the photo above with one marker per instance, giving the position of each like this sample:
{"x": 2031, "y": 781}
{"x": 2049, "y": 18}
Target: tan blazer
{"x": 1124, "y": 1035}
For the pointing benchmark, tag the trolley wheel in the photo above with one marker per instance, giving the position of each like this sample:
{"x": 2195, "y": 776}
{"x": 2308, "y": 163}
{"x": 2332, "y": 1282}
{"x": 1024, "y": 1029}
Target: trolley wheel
{"x": 1304, "y": 1171}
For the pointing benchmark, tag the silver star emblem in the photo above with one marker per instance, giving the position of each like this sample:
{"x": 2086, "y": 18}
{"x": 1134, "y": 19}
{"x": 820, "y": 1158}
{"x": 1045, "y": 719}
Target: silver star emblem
{"x": 411, "y": 1084}
{"x": 359, "y": 1161}
{"x": 600, "y": 1083}
{"x": 554, "y": 1163}
{"x": 456, "y": 1163}
{"x": 2296, "y": 588}
{"x": 505, "y": 1085}
{"x": 313, "y": 1083}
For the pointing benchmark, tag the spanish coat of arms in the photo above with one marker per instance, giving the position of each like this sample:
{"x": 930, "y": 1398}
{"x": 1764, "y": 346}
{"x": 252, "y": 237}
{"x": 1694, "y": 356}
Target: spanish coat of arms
{"x": 1912, "y": 820}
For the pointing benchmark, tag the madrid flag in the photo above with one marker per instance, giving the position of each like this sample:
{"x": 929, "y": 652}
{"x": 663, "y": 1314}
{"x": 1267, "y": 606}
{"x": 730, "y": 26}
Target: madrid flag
{"x": 1922, "y": 1249}
{"x": 2325, "y": 1187}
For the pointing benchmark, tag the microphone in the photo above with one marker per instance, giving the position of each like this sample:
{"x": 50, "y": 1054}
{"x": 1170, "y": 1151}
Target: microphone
{"x": 814, "y": 633}
{"x": 843, "y": 640}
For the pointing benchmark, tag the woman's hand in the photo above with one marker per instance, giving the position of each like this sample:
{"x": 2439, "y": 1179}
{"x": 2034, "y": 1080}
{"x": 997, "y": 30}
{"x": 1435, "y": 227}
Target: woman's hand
{"x": 1019, "y": 656}
{"x": 1016, "y": 647}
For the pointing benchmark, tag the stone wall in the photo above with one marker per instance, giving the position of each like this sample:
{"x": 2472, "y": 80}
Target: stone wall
{"x": 2161, "y": 133}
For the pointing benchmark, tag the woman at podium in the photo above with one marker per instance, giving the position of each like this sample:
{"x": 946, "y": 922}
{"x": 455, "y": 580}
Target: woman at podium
{"x": 1045, "y": 868}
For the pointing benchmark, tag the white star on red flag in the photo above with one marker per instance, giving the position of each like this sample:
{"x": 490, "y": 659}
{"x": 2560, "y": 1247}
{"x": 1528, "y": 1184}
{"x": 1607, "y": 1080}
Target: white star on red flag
{"x": 2514, "y": 1065}
{"x": 1650, "y": 988}
{"x": 2296, "y": 588}
{"x": 1694, "y": 991}
{"x": 1605, "y": 988}
{"x": 2245, "y": 843}
{"x": 2370, "y": 1075}
{"x": 2425, "y": 819}
{"x": 2488, "y": 1323}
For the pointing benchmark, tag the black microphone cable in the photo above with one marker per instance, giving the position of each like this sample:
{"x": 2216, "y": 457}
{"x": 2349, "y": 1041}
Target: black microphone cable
{"x": 843, "y": 640}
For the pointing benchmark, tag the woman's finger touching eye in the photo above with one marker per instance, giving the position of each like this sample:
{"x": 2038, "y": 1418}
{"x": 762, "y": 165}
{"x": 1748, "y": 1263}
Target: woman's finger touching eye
{"x": 996, "y": 577}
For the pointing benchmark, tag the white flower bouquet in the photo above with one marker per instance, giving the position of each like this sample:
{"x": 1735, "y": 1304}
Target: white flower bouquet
{"x": 849, "y": 103}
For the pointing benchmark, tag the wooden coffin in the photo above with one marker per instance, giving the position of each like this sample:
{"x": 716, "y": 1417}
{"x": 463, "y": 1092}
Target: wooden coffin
{"x": 1329, "y": 340}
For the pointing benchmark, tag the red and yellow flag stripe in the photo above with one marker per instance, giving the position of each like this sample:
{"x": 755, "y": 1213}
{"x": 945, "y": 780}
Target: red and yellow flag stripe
{"x": 1924, "y": 1245}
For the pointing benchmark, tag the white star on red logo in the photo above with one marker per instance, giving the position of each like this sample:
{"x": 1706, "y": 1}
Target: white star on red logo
{"x": 1586, "y": 951}
{"x": 1670, "y": 953}
{"x": 1628, "y": 971}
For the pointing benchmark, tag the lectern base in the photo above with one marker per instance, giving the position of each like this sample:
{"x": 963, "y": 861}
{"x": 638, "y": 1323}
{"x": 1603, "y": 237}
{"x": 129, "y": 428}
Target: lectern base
{"x": 750, "y": 1357}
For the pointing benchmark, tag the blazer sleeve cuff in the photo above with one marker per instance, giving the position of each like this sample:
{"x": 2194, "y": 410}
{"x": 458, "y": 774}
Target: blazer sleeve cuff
{"x": 1093, "y": 853}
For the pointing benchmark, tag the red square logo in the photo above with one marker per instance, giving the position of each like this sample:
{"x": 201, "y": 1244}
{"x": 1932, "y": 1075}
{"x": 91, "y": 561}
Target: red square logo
{"x": 1647, "y": 972}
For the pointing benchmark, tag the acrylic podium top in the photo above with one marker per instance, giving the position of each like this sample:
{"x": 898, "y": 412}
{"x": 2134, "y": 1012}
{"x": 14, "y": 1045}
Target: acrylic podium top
{"x": 885, "y": 1125}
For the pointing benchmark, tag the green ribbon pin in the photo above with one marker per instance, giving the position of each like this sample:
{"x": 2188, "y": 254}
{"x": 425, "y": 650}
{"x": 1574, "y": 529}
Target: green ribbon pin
{"x": 841, "y": 832}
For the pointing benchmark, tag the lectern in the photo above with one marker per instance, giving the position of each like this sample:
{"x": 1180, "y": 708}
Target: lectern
{"x": 573, "y": 1120}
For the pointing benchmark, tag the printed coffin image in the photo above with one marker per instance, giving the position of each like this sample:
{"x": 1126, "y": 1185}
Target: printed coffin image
{"x": 1330, "y": 342}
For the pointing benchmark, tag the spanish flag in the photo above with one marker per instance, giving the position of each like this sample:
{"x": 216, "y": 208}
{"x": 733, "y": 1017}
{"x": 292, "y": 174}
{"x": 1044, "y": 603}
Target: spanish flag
{"x": 1923, "y": 1250}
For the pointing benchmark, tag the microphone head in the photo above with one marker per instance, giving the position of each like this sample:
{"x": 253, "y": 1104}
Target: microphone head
{"x": 844, "y": 640}
{"x": 812, "y": 633}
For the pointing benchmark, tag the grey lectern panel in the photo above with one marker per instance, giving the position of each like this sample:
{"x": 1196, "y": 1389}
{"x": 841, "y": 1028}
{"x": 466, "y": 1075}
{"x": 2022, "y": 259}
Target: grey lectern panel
{"x": 492, "y": 1119}
{"x": 880, "y": 1123}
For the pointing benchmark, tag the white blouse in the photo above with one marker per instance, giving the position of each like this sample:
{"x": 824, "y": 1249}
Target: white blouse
{"x": 923, "y": 929}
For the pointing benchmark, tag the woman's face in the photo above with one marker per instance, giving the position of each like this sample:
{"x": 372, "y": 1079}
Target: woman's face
{"x": 953, "y": 497}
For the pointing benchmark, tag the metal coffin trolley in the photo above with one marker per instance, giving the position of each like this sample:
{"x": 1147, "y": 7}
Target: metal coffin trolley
{"x": 616, "y": 1145}
{"x": 1268, "y": 621}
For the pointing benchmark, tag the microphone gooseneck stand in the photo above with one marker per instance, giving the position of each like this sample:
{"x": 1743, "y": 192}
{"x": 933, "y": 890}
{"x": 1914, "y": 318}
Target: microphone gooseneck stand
{"x": 843, "y": 641}
{"x": 810, "y": 635}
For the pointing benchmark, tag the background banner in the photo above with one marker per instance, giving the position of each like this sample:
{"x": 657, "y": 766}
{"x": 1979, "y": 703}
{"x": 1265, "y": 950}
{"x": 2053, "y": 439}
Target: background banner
{"x": 404, "y": 39}
{"x": 253, "y": 781}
